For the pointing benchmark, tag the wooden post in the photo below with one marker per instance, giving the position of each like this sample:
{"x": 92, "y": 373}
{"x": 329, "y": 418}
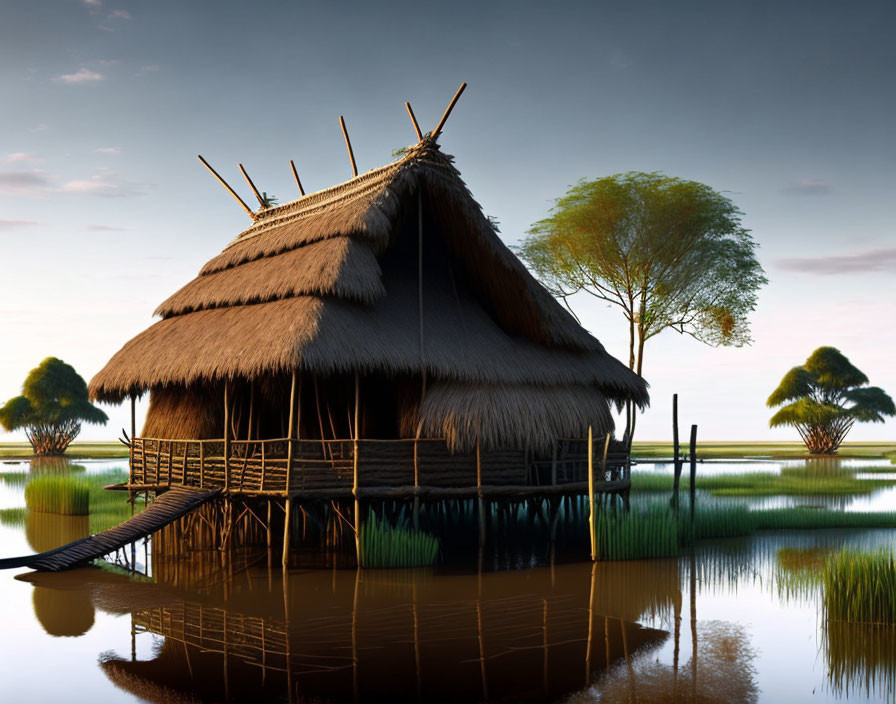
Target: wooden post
{"x": 227, "y": 186}
{"x": 287, "y": 519}
{"x": 296, "y": 176}
{"x": 438, "y": 129}
{"x": 592, "y": 519}
{"x": 348, "y": 146}
{"x": 414, "y": 123}
{"x": 693, "y": 459}
{"x": 254, "y": 189}
{"x": 226, "y": 436}
{"x": 480, "y": 504}
{"x": 133, "y": 440}
{"x": 675, "y": 452}
{"x": 202, "y": 463}
{"x": 355, "y": 470}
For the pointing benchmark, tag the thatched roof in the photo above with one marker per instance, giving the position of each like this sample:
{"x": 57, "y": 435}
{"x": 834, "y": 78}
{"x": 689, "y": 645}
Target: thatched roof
{"x": 308, "y": 287}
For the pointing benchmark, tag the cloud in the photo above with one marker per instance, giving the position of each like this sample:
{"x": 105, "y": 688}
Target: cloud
{"x": 93, "y": 5}
{"x": 82, "y": 75}
{"x": 106, "y": 228}
{"x": 108, "y": 150}
{"x": 22, "y": 157}
{"x": 31, "y": 182}
{"x": 874, "y": 260}
{"x": 808, "y": 187}
{"x": 42, "y": 127}
{"x": 16, "y": 224}
{"x": 104, "y": 184}
{"x": 120, "y": 15}
{"x": 150, "y": 68}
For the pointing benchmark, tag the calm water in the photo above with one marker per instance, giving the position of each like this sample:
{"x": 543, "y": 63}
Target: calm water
{"x": 736, "y": 621}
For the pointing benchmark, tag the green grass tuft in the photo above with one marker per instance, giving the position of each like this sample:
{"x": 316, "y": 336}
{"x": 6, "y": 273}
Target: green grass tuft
{"x": 384, "y": 545}
{"x": 860, "y": 587}
{"x": 58, "y": 494}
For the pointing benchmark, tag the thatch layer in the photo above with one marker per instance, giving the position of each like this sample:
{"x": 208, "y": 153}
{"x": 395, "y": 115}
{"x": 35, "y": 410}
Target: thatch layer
{"x": 328, "y": 336}
{"x": 183, "y": 412}
{"x": 510, "y": 416}
{"x": 340, "y": 267}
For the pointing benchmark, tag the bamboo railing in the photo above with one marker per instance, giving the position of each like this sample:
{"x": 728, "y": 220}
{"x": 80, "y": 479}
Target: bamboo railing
{"x": 321, "y": 466}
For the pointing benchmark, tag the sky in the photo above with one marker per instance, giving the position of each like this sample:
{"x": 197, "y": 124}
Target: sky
{"x": 786, "y": 108}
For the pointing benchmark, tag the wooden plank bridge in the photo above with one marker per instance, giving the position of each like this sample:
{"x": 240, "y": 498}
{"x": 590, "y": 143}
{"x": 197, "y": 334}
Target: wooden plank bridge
{"x": 166, "y": 508}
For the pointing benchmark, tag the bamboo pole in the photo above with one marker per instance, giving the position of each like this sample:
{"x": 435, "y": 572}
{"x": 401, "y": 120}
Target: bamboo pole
{"x": 296, "y": 176}
{"x": 692, "y": 457}
{"x": 675, "y": 452}
{"x": 414, "y": 122}
{"x": 133, "y": 441}
{"x": 348, "y": 146}
{"x": 289, "y": 455}
{"x": 227, "y": 186}
{"x": 438, "y": 129}
{"x": 254, "y": 189}
{"x": 592, "y": 522}
{"x": 355, "y": 469}
{"x": 226, "y": 436}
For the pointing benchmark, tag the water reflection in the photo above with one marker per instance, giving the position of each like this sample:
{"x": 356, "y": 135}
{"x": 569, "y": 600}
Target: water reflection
{"x": 63, "y": 613}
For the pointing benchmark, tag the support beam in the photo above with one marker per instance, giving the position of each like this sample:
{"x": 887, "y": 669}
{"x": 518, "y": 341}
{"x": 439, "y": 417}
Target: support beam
{"x": 254, "y": 189}
{"x": 592, "y": 519}
{"x": 226, "y": 435}
{"x": 348, "y": 146}
{"x": 296, "y": 177}
{"x": 692, "y": 456}
{"x": 355, "y": 469}
{"x": 438, "y": 129}
{"x": 227, "y": 186}
{"x": 414, "y": 122}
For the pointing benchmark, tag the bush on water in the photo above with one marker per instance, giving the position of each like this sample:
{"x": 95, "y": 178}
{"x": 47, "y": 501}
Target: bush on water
{"x": 385, "y": 545}
{"x": 62, "y": 495}
{"x": 860, "y": 587}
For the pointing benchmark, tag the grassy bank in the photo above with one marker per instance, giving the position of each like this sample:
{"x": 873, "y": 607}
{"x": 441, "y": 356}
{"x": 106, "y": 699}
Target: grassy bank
{"x": 787, "y": 483}
{"x": 77, "y": 450}
{"x": 760, "y": 450}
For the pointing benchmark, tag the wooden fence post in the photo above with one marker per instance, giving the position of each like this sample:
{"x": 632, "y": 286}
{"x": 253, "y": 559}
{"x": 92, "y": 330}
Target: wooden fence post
{"x": 676, "y": 456}
{"x": 287, "y": 520}
{"x": 693, "y": 459}
{"x": 226, "y": 436}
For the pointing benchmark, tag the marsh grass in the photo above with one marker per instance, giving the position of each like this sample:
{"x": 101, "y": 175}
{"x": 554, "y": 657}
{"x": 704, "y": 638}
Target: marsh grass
{"x": 860, "y": 587}
{"x": 13, "y": 517}
{"x": 385, "y": 545}
{"x": 650, "y": 532}
{"x": 790, "y": 482}
{"x": 58, "y": 494}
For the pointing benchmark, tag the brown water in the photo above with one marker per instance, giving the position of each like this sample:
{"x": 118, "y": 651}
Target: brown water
{"x": 736, "y": 621}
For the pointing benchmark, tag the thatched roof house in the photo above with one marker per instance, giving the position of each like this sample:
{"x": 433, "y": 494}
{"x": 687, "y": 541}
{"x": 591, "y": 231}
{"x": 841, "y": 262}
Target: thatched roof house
{"x": 395, "y": 277}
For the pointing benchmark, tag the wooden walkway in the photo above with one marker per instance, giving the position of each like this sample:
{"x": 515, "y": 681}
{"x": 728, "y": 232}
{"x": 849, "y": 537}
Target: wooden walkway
{"x": 167, "y": 507}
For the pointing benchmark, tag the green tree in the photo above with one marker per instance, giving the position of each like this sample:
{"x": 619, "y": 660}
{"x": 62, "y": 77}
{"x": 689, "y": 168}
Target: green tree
{"x": 669, "y": 253}
{"x": 51, "y": 408}
{"x": 824, "y": 398}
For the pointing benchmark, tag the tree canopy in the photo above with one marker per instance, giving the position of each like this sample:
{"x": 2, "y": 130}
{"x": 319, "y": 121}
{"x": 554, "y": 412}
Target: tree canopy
{"x": 824, "y": 398}
{"x": 670, "y": 253}
{"x": 51, "y": 408}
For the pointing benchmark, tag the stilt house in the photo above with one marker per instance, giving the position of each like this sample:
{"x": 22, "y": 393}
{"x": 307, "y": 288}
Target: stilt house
{"x": 375, "y": 334}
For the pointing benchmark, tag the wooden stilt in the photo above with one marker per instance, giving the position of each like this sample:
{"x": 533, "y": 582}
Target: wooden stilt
{"x": 226, "y": 436}
{"x": 287, "y": 521}
{"x": 592, "y": 519}
{"x": 355, "y": 470}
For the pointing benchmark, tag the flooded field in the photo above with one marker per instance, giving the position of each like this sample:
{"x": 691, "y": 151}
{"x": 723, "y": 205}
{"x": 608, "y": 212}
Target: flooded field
{"x": 530, "y": 620}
